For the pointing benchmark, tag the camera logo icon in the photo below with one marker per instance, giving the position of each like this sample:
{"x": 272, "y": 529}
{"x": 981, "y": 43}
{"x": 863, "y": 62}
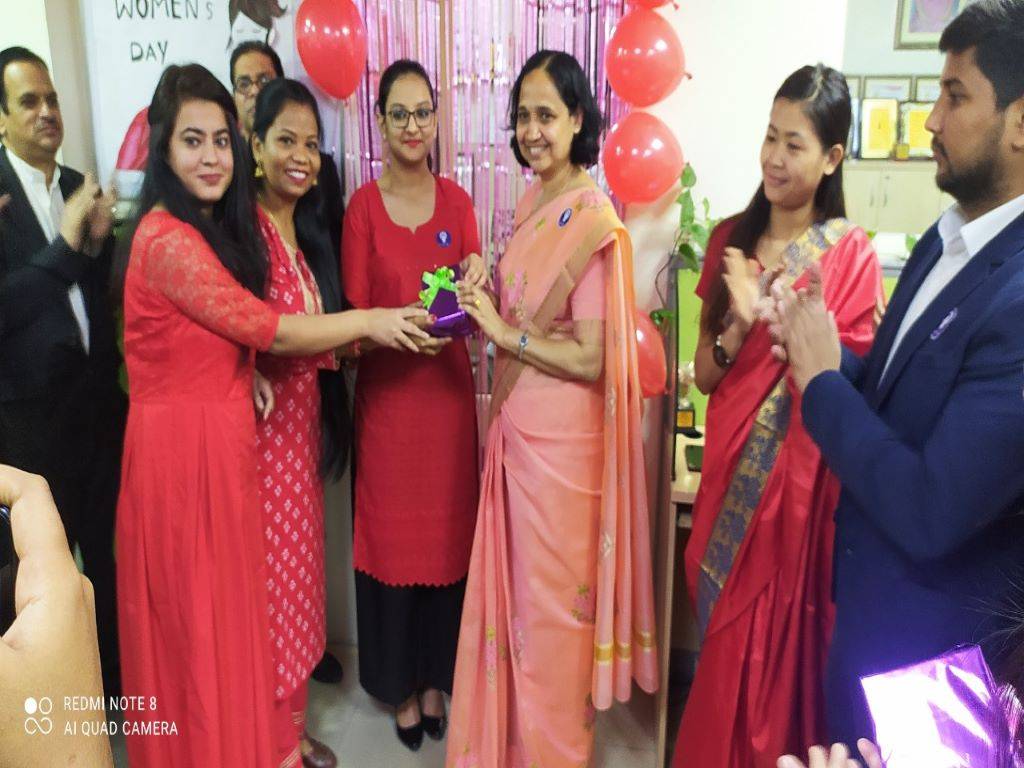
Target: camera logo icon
{"x": 37, "y": 720}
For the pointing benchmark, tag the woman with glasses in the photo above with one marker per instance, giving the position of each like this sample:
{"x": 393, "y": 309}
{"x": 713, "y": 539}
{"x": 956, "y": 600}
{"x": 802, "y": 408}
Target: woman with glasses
{"x": 415, "y": 479}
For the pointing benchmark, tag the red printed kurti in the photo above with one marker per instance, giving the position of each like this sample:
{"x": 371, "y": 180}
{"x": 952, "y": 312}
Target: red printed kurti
{"x": 416, "y": 480}
{"x": 291, "y": 493}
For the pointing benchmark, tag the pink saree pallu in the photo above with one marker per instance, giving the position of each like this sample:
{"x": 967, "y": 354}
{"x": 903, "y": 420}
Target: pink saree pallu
{"x": 558, "y": 618}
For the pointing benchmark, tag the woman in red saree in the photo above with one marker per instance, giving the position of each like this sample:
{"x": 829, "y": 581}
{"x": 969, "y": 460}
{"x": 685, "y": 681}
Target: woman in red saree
{"x": 758, "y": 563}
{"x": 558, "y": 616}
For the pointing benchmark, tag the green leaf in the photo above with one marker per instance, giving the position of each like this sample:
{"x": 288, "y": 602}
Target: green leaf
{"x": 689, "y": 257}
{"x": 911, "y": 243}
{"x": 689, "y": 177}
{"x": 707, "y": 208}
{"x": 689, "y": 211}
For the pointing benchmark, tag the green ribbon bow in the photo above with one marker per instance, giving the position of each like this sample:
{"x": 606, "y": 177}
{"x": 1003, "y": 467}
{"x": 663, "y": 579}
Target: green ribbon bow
{"x": 440, "y": 278}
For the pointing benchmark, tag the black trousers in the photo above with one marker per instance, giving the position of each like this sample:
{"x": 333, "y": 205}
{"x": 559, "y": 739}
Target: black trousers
{"x": 74, "y": 438}
{"x": 408, "y": 637}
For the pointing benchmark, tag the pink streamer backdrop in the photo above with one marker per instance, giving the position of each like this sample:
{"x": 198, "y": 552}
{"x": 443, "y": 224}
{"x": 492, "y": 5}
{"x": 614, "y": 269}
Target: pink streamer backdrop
{"x": 473, "y": 51}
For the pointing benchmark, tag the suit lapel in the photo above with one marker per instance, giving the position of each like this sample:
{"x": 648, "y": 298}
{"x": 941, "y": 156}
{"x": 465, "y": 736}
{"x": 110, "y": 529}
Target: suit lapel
{"x": 918, "y": 266}
{"x": 943, "y": 309}
{"x": 19, "y": 210}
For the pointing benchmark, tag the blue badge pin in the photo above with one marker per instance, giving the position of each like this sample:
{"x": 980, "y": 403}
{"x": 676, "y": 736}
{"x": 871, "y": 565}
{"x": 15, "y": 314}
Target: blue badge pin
{"x": 444, "y": 239}
{"x": 564, "y": 218}
{"x": 946, "y": 321}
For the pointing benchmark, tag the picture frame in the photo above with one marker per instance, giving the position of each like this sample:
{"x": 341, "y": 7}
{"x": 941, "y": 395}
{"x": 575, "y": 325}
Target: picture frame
{"x": 879, "y": 121}
{"x": 919, "y": 23}
{"x": 898, "y": 87}
{"x": 927, "y": 88}
{"x": 913, "y": 134}
{"x": 854, "y": 83}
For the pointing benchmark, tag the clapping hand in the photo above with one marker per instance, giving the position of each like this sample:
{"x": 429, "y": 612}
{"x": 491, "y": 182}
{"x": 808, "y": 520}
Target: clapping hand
{"x": 804, "y": 331}
{"x": 741, "y": 279}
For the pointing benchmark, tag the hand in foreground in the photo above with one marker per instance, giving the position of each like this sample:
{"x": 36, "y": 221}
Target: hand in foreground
{"x": 838, "y": 757}
{"x": 101, "y": 217}
{"x": 262, "y": 395}
{"x": 50, "y": 650}
{"x": 474, "y": 271}
{"x": 396, "y": 328}
{"x": 805, "y": 332}
{"x": 478, "y": 305}
{"x": 741, "y": 279}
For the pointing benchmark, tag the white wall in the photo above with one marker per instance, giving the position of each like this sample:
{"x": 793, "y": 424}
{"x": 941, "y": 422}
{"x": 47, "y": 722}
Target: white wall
{"x": 24, "y": 23}
{"x": 870, "y": 41}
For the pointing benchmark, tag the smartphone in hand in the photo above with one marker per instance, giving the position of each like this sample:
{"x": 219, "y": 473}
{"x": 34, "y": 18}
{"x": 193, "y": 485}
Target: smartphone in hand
{"x": 8, "y": 570}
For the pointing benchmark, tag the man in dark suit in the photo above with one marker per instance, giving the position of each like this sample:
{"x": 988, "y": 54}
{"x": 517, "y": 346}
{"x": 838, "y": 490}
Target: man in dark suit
{"x": 61, "y": 409}
{"x": 927, "y": 432}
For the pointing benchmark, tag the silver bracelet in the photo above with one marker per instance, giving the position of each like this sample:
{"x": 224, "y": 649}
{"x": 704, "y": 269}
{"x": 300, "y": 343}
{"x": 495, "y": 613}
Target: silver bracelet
{"x": 523, "y": 341}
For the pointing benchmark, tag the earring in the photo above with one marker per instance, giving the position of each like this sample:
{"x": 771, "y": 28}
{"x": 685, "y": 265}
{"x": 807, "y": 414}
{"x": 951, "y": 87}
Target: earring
{"x": 258, "y": 173}
{"x": 315, "y": 181}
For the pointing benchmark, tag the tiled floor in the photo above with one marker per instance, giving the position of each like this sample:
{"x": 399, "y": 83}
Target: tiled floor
{"x": 362, "y": 735}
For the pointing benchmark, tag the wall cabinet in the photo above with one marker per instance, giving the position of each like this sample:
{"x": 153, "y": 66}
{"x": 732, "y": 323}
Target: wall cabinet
{"x": 889, "y": 196}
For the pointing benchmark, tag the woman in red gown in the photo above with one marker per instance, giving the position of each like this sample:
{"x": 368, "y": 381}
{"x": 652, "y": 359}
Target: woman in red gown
{"x": 192, "y": 594}
{"x": 308, "y": 427}
{"x": 758, "y": 563}
{"x": 416, "y": 478}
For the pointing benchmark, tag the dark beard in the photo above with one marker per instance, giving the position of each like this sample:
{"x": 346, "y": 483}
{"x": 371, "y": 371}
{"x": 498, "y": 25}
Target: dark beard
{"x": 977, "y": 182}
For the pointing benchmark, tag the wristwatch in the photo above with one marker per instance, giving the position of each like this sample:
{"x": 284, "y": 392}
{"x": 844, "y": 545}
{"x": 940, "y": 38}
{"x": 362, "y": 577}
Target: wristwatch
{"x": 719, "y": 355}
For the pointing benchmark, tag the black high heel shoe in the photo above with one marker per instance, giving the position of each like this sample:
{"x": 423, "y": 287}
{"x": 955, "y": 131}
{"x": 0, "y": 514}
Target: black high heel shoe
{"x": 412, "y": 736}
{"x": 434, "y": 727}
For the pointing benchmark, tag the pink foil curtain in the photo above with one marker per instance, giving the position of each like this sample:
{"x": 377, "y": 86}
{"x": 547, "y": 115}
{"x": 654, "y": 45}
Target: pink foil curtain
{"x": 473, "y": 50}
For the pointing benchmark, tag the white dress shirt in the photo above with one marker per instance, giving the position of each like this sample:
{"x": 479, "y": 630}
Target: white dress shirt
{"x": 961, "y": 242}
{"x": 48, "y": 205}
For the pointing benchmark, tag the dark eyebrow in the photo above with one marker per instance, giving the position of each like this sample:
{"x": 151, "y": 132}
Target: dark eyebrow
{"x": 190, "y": 129}
{"x": 949, "y": 82}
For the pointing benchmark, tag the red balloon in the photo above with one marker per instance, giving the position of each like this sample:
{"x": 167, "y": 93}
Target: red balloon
{"x": 642, "y": 159}
{"x": 650, "y": 354}
{"x": 331, "y": 39}
{"x": 644, "y": 58}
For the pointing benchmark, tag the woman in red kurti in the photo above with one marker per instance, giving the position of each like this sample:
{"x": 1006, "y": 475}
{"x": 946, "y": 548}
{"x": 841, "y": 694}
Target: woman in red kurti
{"x": 192, "y": 599}
{"x": 758, "y": 563}
{"x": 416, "y": 479}
{"x": 292, "y": 447}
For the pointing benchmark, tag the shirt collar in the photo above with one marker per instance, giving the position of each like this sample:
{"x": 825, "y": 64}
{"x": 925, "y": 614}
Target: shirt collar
{"x": 28, "y": 175}
{"x": 984, "y": 229}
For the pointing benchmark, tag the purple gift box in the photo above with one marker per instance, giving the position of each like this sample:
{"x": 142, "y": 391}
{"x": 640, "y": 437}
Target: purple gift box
{"x": 947, "y": 712}
{"x": 439, "y": 297}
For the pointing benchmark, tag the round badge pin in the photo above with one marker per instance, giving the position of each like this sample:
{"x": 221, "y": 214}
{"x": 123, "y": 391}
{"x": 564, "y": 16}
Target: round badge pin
{"x": 564, "y": 218}
{"x": 444, "y": 239}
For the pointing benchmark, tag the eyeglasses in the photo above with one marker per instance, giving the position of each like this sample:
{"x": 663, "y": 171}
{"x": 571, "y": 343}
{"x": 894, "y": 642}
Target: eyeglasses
{"x": 244, "y": 84}
{"x": 424, "y": 116}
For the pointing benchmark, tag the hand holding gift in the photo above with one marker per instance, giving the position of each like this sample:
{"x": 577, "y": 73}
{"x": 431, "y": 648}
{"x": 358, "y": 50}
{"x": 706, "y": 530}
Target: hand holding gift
{"x": 440, "y": 298}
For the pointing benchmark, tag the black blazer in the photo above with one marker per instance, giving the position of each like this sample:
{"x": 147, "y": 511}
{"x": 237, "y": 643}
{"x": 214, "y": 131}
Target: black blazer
{"x": 40, "y": 342}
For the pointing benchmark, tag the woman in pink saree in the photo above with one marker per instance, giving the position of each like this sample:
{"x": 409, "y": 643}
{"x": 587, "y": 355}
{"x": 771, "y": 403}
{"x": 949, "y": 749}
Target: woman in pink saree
{"x": 558, "y": 616}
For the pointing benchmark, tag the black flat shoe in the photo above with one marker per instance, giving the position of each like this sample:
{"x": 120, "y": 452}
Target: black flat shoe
{"x": 412, "y": 736}
{"x": 435, "y": 727}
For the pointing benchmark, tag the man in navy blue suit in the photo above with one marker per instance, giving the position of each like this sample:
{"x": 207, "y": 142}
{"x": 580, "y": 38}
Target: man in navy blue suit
{"x": 926, "y": 433}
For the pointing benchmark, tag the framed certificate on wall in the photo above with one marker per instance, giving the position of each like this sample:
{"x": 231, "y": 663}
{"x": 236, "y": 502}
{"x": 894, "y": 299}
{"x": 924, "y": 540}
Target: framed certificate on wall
{"x": 879, "y": 123}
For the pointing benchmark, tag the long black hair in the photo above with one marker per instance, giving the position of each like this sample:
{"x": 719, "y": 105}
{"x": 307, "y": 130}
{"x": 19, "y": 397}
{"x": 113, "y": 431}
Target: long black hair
{"x": 573, "y": 87}
{"x": 314, "y": 240}
{"x": 825, "y": 98}
{"x": 231, "y": 231}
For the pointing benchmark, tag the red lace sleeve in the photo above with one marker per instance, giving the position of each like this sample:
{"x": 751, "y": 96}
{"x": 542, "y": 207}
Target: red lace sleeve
{"x": 179, "y": 264}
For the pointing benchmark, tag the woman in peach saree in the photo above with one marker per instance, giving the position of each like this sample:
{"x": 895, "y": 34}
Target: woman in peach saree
{"x": 558, "y": 616}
